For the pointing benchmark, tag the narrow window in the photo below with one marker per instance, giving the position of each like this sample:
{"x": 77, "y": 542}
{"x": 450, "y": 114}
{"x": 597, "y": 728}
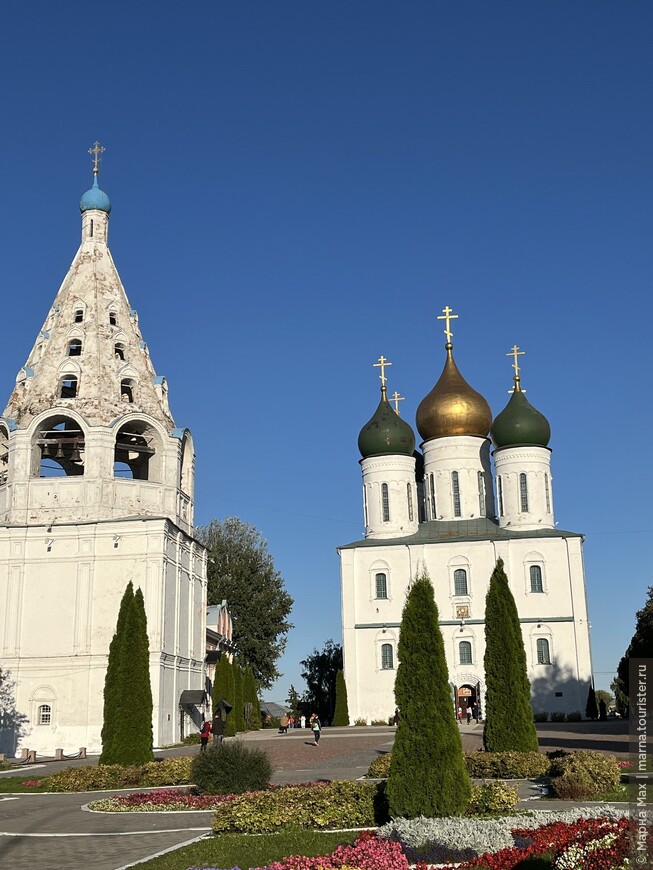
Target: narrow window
{"x": 127, "y": 390}
{"x": 74, "y": 347}
{"x": 119, "y": 350}
{"x": 365, "y": 506}
{"x": 409, "y": 495}
{"x": 387, "y": 657}
{"x": 460, "y": 582}
{"x": 68, "y": 387}
{"x": 543, "y": 652}
{"x": 112, "y": 318}
{"x": 500, "y": 489}
{"x": 536, "y": 579}
{"x": 481, "y": 494}
{"x": 381, "y": 586}
{"x": 433, "y": 513}
{"x": 455, "y": 489}
{"x": 523, "y": 493}
{"x": 91, "y": 233}
{"x": 465, "y": 652}
{"x": 547, "y": 494}
{"x": 385, "y": 503}
{"x": 79, "y": 315}
{"x": 44, "y": 716}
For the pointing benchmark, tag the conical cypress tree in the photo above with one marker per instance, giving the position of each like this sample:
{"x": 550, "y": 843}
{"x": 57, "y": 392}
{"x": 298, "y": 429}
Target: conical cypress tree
{"x": 509, "y": 722}
{"x": 221, "y": 682}
{"x": 239, "y": 702}
{"x": 138, "y": 742}
{"x": 427, "y": 775}
{"x": 341, "y": 714}
{"x": 591, "y": 708}
{"x": 230, "y": 726}
{"x": 108, "y": 755}
{"x": 252, "y": 698}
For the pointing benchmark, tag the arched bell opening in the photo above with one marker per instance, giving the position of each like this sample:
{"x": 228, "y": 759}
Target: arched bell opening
{"x": 4, "y": 454}
{"x": 187, "y": 469}
{"x": 137, "y": 452}
{"x": 59, "y": 448}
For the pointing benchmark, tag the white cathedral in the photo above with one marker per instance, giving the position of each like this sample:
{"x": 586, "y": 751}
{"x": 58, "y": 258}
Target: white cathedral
{"x": 454, "y": 509}
{"x": 96, "y": 489}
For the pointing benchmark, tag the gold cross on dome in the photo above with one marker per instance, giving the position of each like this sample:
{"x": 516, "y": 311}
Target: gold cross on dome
{"x": 515, "y": 352}
{"x": 447, "y": 316}
{"x": 396, "y": 398}
{"x": 95, "y": 152}
{"x": 382, "y": 364}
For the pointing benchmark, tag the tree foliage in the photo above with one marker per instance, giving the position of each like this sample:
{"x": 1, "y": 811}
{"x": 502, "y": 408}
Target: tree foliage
{"x": 640, "y": 646}
{"x": 341, "y": 714}
{"x": 239, "y": 700}
{"x": 242, "y": 572}
{"x": 427, "y": 774}
{"x": 253, "y": 721}
{"x": 293, "y": 700}
{"x": 509, "y": 722}
{"x": 320, "y": 672}
{"x": 591, "y": 708}
{"x": 127, "y": 728}
{"x": 224, "y": 690}
{"x": 12, "y": 722}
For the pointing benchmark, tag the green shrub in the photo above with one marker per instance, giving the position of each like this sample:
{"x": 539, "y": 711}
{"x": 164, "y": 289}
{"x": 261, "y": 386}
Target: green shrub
{"x": 169, "y": 771}
{"x": 332, "y": 805}
{"x": 510, "y": 765}
{"x": 271, "y": 722}
{"x": 191, "y": 739}
{"x": 5, "y": 765}
{"x": 584, "y": 775}
{"x": 380, "y": 766}
{"x": 231, "y": 768}
{"x": 574, "y": 716}
{"x": 378, "y": 722}
{"x": 557, "y": 716}
{"x": 492, "y": 797}
{"x": 541, "y": 717}
{"x": 360, "y": 722}
{"x": 103, "y": 776}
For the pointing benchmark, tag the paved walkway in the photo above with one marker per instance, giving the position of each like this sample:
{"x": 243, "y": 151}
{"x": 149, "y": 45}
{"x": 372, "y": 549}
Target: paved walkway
{"x": 54, "y": 831}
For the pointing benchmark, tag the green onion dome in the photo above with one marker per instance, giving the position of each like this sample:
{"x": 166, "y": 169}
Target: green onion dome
{"x": 453, "y": 407}
{"x": 386, "y": 434}
{"x": 520, "y": 424}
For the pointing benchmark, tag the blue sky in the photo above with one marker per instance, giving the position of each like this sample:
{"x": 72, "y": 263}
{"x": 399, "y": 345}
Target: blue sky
{"x": 300, "y": 187}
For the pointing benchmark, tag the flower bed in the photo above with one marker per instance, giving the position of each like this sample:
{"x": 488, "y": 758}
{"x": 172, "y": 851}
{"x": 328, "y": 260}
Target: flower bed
{"x": 164, "y": 800}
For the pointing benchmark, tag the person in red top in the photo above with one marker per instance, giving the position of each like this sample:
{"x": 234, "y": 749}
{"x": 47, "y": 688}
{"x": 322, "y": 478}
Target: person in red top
{"x": 205, "y": 733}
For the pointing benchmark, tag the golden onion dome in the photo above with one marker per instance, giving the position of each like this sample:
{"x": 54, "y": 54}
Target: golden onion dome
{"x": 453, "y": 407}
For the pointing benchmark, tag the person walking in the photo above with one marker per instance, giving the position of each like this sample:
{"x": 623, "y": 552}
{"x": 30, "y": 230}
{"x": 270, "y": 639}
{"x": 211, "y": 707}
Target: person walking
{"x": 460, "y": 714}
{"x": 205, "y": 733}
{"x": 316, "y": 728}
{"x": 283, "y": 724}
{"x": 302, "y": 721}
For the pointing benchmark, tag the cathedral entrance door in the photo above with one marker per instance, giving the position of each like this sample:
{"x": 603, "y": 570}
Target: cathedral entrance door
{"x": 466, "y": 698}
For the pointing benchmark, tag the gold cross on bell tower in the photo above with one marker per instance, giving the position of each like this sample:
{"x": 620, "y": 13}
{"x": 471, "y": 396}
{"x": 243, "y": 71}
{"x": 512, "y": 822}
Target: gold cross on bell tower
{"x": 95, "y": 152}
{"x": 396, "y": 398}
{"x": 515, "y": 353}
{"x": 382, "y": 364}
{"x": 447, "y": 316}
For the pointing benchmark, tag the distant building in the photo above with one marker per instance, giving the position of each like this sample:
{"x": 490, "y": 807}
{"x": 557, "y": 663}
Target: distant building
{"x": 453, "y": 508}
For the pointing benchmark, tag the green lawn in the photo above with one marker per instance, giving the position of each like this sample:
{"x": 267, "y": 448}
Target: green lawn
{"x": 246, "y": 851}
{"x": 13, "y": 784}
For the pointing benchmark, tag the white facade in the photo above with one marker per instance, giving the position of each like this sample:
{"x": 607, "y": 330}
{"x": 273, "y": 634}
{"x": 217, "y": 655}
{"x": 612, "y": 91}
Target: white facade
{"x": 464, "y": 529}
{"x": 96, "y": 489}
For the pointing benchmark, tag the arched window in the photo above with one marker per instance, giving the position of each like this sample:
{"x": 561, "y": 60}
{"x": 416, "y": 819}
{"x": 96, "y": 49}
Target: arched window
{"x": 135, "y": 456}
{"x": 523, "y": 493}
{"x": 59, "y": 448}
{"x": 127, "y": 390}
{"x": 44, "y": 714}
{"x": 4, "y": 455}
{"x": 68, "y": 387}
{"x": 536, "y": 578}
{"x": 75, "y": 347}
{"x": 500, "y": 491}
{"x": 455, "y": 490}
{"x": 432, "y": 481}
{"x": 113, "y": 320}
{"x": 481, "y": 494}
{"x": 79, "y": 315}
{"x": 543, "y": 651}
{"x": 460, "y": 581}
{"x": 465, "y": 652}
{"x": 381, "y": 586}
{"x": 387, "y": 657}
{"x": 367, "y": 522}
{"x": 409, "y": 496}
{"x": 119, "y": 350}
{"x": 547, "y": 493}
{"x": 385, "y": 503}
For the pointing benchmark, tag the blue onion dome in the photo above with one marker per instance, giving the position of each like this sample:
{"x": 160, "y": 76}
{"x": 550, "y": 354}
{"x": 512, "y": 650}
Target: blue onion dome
{"x": 453, "y": 407}
{"x": 520, "y": 424}
{"x": 386, "y": 433}
{"x": 95, "y": 199}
